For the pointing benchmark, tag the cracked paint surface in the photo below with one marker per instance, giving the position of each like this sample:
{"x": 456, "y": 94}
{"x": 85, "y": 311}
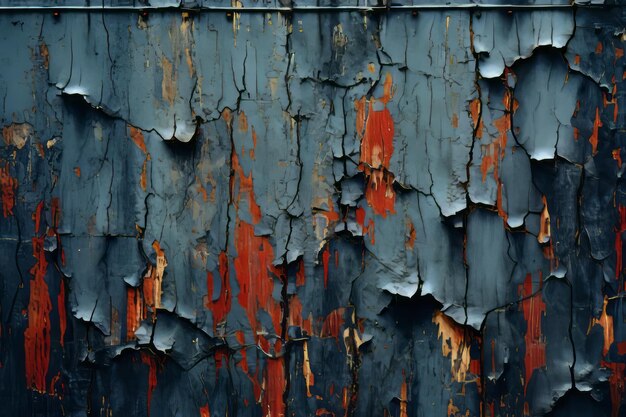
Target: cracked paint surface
{"x": 313, "y": 213}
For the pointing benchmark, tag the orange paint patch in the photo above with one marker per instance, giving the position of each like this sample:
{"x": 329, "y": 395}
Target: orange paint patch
{"x": 534, "y": 310}
{"x": 143, "y": 179}
{"x": 606, "y": 321}
{"x": 43, "y": 53}
{"x": 8, "y": 186}
{"x": 404, "y": 397}
{"x": 242, "y": 122}
{"x": 37, "y": 334}
{"x": 593, "y": 139}
{"x": 544, "y": 224}
{"x": 454, "y": 345}
{"x": 77, "y": 171}
{"x": 204, "y": 411}
{"x": 136, "y": 136}
{"x": 455, "y": 121}
{"x": 475, "y": 113}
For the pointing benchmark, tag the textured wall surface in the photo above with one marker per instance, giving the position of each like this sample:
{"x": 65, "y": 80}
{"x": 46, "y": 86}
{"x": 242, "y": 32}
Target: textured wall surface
{"x": 312, "y": 212}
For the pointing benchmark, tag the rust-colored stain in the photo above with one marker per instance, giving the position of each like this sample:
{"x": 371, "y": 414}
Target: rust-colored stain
{"x": 135, "y": 311}
{"x": 136, "y": 136}
{"x": 168, "y": 83}
{"x": 37, "y": 334}
{"x": 593, "y": 139}
{"x": 44, "y": 54}
{"x": 8, "y": 186}
{"x": 534, "y": 310}
{"x": 493, "y": 153}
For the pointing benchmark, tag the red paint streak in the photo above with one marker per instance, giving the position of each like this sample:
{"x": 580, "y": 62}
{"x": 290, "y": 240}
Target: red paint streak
{"x": 204, "y": 411}
{"x": 325, "y": 259}
{"x": 8, "y": 185}
{"x": 246, "y": 189}
{"x": 599, "y": 48}
{"x": 37, "y": 334}
{"x": 333, "y": 323}
{"x": 375, "y": 128}
{"x": 593, "y": 139}
{"x": 534, "y": 309}
{"x": 220, "y": 307}
{"x": 152, "y": 375}
{"x": 135, "y": 311}
{"x": 274, "y": 388}
{"x": 617, "y": 382}
{"x": 255, "y": 272}
{"x": 379, "y": 191}
{"x": 322, "y": 412}
{"x": 62, "y": 313}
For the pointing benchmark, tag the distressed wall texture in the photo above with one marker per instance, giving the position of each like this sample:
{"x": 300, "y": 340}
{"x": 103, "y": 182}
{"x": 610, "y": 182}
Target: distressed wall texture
{"x": 313, "y": 213}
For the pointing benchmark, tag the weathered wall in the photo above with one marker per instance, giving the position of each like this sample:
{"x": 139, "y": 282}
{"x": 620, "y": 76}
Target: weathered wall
{"x": 329, "y": 213}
